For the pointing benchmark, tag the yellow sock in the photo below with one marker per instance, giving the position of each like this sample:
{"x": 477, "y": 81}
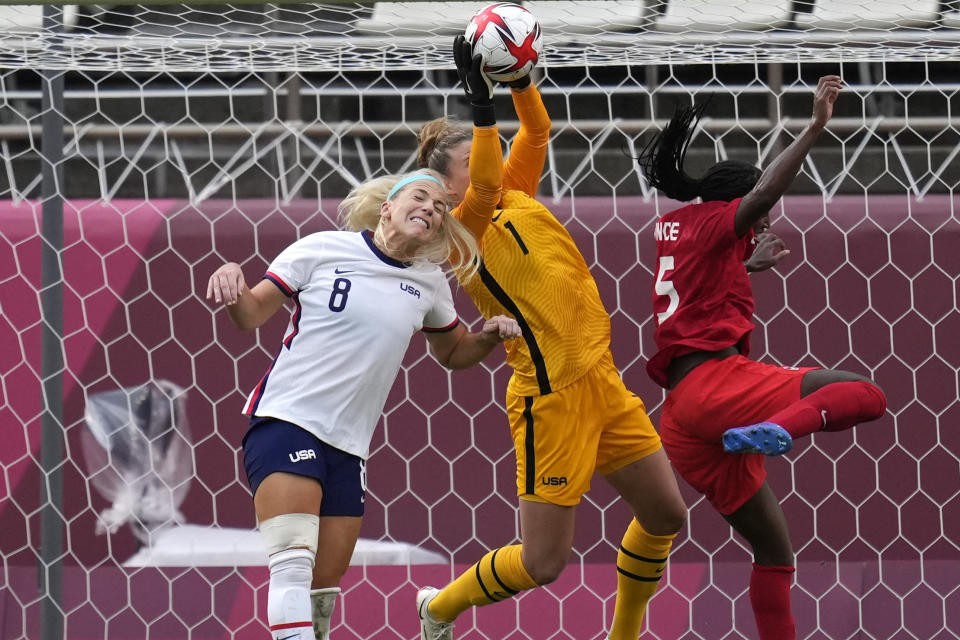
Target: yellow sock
{"x": 498, "y": 575}
{"x": 640, "y": 565}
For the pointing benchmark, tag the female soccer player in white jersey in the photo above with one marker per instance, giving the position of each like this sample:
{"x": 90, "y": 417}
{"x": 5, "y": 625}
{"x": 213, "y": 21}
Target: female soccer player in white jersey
{"x": 359, "y": 295}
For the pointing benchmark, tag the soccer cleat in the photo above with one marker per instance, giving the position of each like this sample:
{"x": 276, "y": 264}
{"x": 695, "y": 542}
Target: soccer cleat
{"x": 430, "y": 629}
{"x": 323, "y": 602}
{"x": 765, "y": 438}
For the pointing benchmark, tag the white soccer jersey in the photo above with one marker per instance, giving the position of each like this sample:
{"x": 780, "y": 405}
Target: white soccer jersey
{"x": 356, "y": 310}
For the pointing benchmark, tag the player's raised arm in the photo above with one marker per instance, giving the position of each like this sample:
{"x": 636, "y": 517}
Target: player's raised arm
{"x": 460, "y": 349}
{"x": 528, "y": 152}
{"x": 509, "y": 40}
{"x": 485, "y": 159}
{"x": 248, "y": 308}
{"x": 776, "y": 179}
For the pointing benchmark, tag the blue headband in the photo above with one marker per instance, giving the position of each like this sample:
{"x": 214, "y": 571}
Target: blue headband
{"x": 402, "y": 182}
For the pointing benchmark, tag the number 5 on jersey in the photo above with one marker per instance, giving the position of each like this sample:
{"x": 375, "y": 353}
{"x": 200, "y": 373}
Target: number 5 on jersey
{"x": 665, "y": 288}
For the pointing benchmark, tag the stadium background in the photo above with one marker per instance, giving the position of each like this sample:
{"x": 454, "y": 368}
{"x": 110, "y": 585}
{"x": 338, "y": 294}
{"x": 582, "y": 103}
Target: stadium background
{"x": 871, "y": 287}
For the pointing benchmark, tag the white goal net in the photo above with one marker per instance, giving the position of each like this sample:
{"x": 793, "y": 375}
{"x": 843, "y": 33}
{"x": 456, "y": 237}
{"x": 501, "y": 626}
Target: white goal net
{"x": 171, "y": 138}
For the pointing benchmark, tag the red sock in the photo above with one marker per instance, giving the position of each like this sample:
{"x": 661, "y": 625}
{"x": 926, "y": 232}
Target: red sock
{"x": 770, "y": 598}
{"x": 833, "y": 407}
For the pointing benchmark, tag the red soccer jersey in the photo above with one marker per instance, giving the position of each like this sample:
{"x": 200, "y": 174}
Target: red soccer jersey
{"x": 702, "y": 298}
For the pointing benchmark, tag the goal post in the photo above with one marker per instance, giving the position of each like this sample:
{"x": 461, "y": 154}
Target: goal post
{"x": 142, "y": 146}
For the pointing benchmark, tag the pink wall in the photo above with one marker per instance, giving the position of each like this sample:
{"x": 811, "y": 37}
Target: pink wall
{"x": 868, "y": 288}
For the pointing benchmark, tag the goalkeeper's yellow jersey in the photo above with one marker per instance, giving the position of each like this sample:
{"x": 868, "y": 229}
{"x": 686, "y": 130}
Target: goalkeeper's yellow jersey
{"x": 532, "y": 269}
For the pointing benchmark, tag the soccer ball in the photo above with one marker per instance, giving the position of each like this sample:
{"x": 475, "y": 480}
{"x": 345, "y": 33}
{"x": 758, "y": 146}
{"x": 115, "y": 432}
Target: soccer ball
{"x": 509, "y": 39}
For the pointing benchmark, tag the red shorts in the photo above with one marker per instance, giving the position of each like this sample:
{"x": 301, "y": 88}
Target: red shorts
{"x": 716, "y": 396}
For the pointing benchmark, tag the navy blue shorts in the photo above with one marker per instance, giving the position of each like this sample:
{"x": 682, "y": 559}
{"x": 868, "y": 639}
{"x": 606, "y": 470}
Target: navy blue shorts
{"x": 273, "y": 445}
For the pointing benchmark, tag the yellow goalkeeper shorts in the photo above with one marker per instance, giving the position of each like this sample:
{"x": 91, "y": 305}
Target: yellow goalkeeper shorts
{"x": 561, "y": 438}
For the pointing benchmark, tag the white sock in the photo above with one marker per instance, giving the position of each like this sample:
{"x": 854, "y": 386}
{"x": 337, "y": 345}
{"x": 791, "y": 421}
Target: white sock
{"x": 324, "y": 601}
{"x": 288, "y": 601}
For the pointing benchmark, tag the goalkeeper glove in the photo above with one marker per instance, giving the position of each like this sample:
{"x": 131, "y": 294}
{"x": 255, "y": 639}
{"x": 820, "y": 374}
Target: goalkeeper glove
{"x": 476, "y": 85}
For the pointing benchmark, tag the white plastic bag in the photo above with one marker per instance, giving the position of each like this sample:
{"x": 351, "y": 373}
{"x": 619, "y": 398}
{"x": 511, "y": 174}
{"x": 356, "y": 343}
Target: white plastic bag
{"x": 137, "y": 452}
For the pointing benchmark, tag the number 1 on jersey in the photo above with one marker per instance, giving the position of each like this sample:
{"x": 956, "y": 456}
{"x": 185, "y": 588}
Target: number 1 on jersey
{"x": 665, "y": 288}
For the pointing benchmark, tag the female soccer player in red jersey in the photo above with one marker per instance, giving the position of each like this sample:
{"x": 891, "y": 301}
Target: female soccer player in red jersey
{"x": 724, "y": 412}
{"x": 570, "y": 413}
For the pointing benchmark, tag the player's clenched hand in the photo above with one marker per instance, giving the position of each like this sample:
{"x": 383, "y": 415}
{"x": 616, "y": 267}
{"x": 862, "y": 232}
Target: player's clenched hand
{"x": 826, "y": 94}
{"x": 502, "y": 328}
{"x": 769, "y": 251}
{"x": 226, "y": 284}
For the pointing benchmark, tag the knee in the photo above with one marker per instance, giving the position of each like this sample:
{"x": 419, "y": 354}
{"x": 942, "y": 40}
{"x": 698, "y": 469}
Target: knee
{"x": 294, "y": 566}
{"x": 667, "y": 518}
{"x": 773, "y": 551}
{"x": 545, "y": 568}
{"x": 666, "y": 522}
{"x": 290, "y": 532}
{"x": 672, "y": 521}
{"x": 324, "y": 577}
{"x": 774, "y": 557}
{"x": 546, "y": 572}
{"x": 874, "y": 402}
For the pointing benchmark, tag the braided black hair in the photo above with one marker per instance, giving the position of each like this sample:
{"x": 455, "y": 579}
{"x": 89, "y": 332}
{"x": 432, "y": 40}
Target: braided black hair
{"x": 728, "y": 180}
{"x": 661, "y": 161}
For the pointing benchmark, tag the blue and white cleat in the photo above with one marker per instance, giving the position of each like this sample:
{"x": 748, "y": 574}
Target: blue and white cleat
{"x": 765, "y": 438}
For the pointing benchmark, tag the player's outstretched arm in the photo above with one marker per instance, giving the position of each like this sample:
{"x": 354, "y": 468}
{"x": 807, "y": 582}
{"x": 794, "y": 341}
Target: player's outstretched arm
{"x": 460, "y": 349}
{"x": 248, "y": 308}
{"x": 528, "y": 154}
{"x": 486, "y": 157}
{"x": 776, "y": 179}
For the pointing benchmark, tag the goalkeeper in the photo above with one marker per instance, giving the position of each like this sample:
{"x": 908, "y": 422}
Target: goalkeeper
{"x": 570, "y": 413}
{"x": 359, "y": 299}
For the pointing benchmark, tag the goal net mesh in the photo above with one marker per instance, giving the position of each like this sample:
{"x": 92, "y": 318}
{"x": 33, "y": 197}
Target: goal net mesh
{"x": 384, "y": 36}
{"x": 187, "y": 136}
